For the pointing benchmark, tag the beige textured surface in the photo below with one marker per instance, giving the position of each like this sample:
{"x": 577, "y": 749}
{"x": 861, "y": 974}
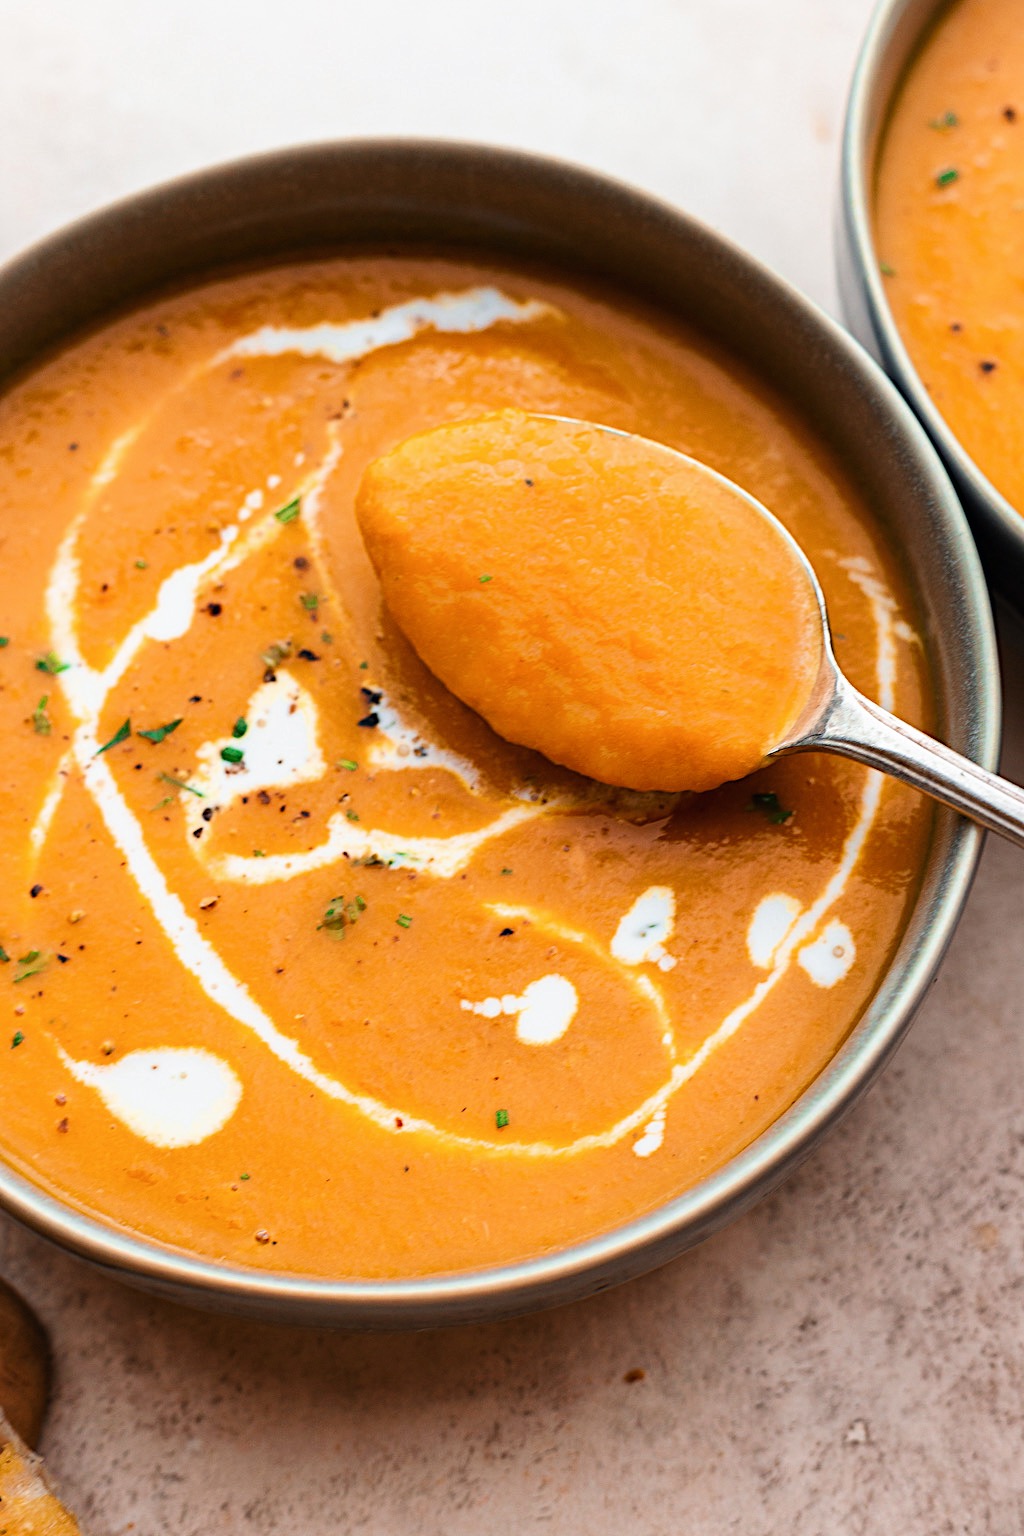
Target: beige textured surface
{"x": 847, "y": 1359}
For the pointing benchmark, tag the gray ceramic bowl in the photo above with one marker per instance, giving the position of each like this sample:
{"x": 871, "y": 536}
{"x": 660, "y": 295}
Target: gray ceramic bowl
{"x": 897, "y": 30}
{"x": 330, "y": 196}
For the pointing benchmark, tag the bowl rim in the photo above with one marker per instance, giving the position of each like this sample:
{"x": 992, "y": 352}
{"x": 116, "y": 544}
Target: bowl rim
{"x": 655, "y": 1236}
{"x": 871, "y": 98}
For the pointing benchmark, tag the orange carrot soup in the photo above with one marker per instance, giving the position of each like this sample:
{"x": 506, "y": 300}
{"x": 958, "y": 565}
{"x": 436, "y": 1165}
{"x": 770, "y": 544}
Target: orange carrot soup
{"x": 948, "y": 212}
{"x": 304, "y": 967}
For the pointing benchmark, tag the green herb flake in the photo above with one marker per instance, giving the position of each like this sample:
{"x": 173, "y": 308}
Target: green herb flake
{"x": 506, "y": 871}
{"x": 403, "y": 920}
{"x": 279, "y": 651}
{"x": 121, "y": 734}
{"x": 943, "y": 123}
{"x": 336, "y": 917}
{"x": 363, "y": 666}
{"x": 501, "y": 1118}
{"x": 168, "y": 778}
{"x": 310, "y": 601}
{"x": 768, "y": 804}
{"x": 349, "y": 763}
{"x": 240, "y": 727}
{"x": 160, "y": 732}
{"x": 947, "y": 177}
{"x": 289, "y": 512}
{"x": 326, "y": 637}
{"x": 352, "y": 815}
{"x": 142, "y": 565}
{"x": 4, "y": 641}
{"x": 485, "y": 578}
{"x": 244, "y": 1176}
{"x": 52, "y": 664}
{"x": 886, "y": 270}
{"x": 31, "y": 964}
{"x": 232, "y": 754}
{"x": 5, "y": 958}
{"x": 16, "y": 1039}
{"x": 259, "y": 853}
{"x": 41, "y": 722}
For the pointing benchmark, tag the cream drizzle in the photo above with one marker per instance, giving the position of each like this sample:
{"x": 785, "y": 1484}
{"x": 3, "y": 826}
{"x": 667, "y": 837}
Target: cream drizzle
{"x": 646, "y": 928}
{"x": 543, "y": 1013}
{"x": 474, "y": 309}
{"x": 170, "y": 1097}
{"x": 828, "y": 958}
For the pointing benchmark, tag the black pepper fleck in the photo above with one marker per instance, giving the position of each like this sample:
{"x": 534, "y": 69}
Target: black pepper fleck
{"x": 36, "y": 890}
{"x": 370, "y": 720}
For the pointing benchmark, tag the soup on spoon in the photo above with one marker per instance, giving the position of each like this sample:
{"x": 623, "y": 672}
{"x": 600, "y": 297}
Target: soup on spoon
{"x": 627, "y": 611}
{"x": 598, "y": 597}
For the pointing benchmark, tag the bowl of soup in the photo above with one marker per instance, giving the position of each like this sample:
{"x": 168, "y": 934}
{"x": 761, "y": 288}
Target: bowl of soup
{"x": 932, "y": 181}
{"x": 325, "y": 1002}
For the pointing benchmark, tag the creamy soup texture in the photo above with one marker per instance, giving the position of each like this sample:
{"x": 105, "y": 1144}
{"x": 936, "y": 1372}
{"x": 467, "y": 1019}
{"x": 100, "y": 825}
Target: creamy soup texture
{"x": 948, "y": 215}
{"x": 304, "y": 967}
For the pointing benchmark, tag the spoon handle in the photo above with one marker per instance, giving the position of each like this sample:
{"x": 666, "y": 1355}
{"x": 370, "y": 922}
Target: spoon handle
{"x": 855, "y": 727}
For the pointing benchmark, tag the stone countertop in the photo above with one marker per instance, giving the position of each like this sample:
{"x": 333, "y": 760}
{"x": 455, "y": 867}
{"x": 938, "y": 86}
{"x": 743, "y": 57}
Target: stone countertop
{"x": 849, "y": 1357}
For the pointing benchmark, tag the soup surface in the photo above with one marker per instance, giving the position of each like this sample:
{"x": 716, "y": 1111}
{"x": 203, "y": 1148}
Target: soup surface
{"x": 304, "y": 967}
{"x": 948, "y": 214}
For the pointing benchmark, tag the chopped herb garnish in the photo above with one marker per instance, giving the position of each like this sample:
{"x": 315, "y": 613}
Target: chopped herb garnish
{"x": 259, "y": 853}
{"x": 52, "y": 664}
{"x": 501, "y": 1118}
{"x": 5, "y": 958}
{"x": 403, "y": 920}
{"x": 168, "y": 778}
{"x": 161, "y": 731}
{"x": 142, "y": 565}
{"x": 947, "y": 120}
{"x": 352, "y": 815}
{"x": 16, "y": 1039}
{"x": 486, "y": 578}
{"x": 290, "y": 511}
{"x": 340, "y": 914}
{"x": 121, "y": 734}
{"x": 506, "y": 871}
{"x": 768, "y": 803}
{"x": 240, "y": 727}
{"x": 4, "y": 640}
{"x": 363, "y": 666}
{"x": 31, "y": 964}
{"x": 279, "y": 651}
{"x": 886, "y": 270}
{"x": 311, "y": 601}
{"x": 947, "y": 177}
{"x": 349, "y": 763}
{"x": 41, "y": 723}
{"x": 244, "y": 1176}
{"x": 232, "y": 754}
{"x": 326, "y": 637}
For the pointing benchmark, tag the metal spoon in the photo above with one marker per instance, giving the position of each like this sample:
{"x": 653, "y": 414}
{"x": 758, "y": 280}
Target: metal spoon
{"x": 841, "y": 720}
